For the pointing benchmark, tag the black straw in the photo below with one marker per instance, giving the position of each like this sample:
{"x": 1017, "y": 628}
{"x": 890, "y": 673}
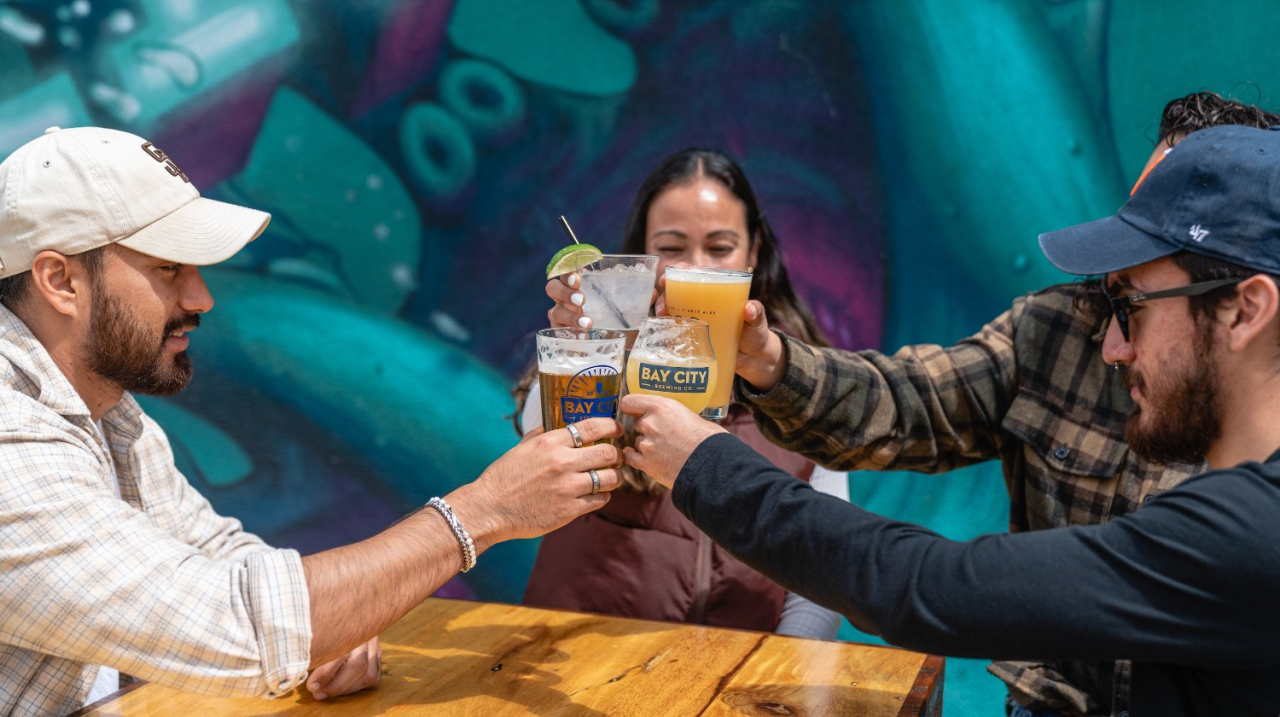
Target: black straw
{"x": 565, "y": 223}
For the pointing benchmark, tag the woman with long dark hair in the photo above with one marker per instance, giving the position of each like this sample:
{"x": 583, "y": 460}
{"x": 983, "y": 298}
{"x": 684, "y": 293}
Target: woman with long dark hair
{"x": 638, "y": 556}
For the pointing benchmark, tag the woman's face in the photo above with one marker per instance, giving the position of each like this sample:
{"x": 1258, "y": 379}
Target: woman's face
{"x": 701, "y": 223}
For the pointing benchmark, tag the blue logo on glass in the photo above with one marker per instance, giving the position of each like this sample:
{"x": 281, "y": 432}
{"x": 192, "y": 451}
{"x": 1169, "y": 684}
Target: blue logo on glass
{"x": 592, "y": 393}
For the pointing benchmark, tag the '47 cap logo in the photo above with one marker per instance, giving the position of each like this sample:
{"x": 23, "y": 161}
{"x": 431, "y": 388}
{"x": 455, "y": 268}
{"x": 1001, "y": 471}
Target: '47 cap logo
{"x": 1221, "y": 177}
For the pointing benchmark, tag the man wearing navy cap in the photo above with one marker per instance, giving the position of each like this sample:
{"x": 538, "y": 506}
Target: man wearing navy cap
{"x": 1184, "y": 586}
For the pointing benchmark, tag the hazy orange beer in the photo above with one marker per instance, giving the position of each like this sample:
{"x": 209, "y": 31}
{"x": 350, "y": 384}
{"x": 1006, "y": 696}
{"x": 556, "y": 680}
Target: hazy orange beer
{"x": 717, "y": 296}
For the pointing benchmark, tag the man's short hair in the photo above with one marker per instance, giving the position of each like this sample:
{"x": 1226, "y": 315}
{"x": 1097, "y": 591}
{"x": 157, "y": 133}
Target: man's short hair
{"x": 13, "y": 289}
{"x": 1203, "y": 268}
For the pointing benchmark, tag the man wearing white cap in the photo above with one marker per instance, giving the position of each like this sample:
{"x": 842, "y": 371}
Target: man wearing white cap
{"x": 107, "y": 555}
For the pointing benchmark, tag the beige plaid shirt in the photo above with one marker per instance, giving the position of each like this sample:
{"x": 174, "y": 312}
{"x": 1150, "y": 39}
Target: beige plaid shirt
{"x": 153, "y": 583}
{"x": 1030, "y": 389}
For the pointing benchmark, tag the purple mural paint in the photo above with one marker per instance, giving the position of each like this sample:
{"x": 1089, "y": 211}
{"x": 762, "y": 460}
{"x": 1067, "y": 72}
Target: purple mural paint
{"x": 411, "y": 42}
{"x": 217, "y": 131}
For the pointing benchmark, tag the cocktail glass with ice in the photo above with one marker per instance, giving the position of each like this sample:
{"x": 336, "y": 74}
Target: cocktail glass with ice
{"x": 617, "y": 290}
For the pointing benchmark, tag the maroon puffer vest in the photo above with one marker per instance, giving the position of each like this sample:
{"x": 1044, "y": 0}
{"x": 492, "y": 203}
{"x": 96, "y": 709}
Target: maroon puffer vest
{"x": 640, "y": 557}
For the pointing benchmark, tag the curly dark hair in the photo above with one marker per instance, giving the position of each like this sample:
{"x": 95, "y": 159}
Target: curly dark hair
{"x": 1202, "y": 110}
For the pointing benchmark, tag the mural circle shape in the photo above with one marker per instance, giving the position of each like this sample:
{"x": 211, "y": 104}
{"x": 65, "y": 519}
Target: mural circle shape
{"x": 483, "y": 96}
{"x": 624, "y": 16}
{"x": 437, "y": 149}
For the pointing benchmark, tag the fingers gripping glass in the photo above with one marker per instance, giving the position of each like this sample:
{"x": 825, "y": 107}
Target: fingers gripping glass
{"x": 1120, "y": 304}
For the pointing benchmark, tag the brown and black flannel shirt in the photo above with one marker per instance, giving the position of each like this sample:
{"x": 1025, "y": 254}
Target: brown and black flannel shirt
{"x": 1030, "y": 389}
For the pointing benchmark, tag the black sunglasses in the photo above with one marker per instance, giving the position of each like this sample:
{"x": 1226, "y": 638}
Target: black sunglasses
{"x": 1119, "y": 304}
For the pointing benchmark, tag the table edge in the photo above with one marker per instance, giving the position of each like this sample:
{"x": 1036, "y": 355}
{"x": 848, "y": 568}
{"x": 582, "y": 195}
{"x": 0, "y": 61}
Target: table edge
{"x": 924, "y": 699}
{"x": 102, "y": 702}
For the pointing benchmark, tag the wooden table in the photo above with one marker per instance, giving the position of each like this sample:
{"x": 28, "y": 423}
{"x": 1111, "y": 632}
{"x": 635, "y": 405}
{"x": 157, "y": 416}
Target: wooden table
{"x": 456, "y": 657}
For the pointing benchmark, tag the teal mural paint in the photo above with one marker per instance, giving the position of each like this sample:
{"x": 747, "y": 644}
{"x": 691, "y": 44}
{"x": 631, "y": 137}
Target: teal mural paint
{"x": 415, "y": 155}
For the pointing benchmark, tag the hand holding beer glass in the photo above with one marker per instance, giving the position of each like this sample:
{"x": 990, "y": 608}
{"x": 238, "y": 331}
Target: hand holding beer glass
{"x": 718, "y": 297}
{"x": 673, "y": 357}
{"x": 580, "y": 374}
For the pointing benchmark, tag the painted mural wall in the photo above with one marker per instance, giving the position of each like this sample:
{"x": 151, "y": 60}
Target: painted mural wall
{"x": 415, "y": 155}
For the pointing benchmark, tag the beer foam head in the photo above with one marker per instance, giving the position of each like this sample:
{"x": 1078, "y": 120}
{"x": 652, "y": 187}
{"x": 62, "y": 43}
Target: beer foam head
{"x": 565, "y": 351}
{"x": 677, "y": 357}
{"x": 567, "y": 364}
{"x": 708, "y": 275}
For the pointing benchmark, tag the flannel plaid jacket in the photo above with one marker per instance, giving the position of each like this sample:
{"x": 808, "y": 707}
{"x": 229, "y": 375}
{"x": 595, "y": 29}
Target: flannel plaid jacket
{"x": 1030, "y": 389}
{"x": 153, "y": 582}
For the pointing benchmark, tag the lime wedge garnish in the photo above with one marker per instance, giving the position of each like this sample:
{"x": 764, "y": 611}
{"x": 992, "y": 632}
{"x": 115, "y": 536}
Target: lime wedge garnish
{"x": 572, "y": 258}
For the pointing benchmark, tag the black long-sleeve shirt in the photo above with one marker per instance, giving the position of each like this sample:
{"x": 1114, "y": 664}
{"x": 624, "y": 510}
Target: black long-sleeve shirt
{"x": 1186, "y": 587}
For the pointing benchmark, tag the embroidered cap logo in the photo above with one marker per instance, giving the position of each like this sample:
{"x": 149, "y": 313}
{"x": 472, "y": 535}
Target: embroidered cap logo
{"x": 1198, "y": 234}
{"x": 158, "y": 155}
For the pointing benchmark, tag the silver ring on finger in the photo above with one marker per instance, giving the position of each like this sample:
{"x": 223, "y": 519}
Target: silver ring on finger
{"x": 595, "y": 481}
{"x": 573, "y": 433}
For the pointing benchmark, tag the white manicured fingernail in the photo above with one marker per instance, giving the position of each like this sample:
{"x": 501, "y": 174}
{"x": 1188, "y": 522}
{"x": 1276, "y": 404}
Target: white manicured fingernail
{"x": 576, "y": 299}
{"x": 584, "y": 321}
{"x": 572, "y": 281}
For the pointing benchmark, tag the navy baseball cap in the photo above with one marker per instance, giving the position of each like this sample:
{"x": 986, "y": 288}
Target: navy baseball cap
{"x": 1216, "y": 193}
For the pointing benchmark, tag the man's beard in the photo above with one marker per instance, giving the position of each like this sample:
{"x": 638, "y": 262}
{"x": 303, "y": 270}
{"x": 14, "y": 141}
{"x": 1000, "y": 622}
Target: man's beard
{"x": 123, "y": 350}
{"x": 1184, "y": 418}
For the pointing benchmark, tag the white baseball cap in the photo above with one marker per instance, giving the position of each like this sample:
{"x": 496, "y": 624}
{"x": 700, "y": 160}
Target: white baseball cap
{"x": 73, "y": 190}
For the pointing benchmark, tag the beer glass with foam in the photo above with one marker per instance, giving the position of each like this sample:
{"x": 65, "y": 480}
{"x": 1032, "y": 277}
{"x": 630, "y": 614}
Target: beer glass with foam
{"x": 718, "y": 297}
{"x": 580, "y": 374}
{"x": 673, "y": 357}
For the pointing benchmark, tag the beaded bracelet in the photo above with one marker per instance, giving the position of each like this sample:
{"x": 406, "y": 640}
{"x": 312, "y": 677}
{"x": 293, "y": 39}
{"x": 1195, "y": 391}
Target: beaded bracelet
{"x": 459, "y": 532}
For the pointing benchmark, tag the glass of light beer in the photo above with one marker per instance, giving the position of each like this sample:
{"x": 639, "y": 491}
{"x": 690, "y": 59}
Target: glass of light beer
{"x": 718, "y": 297}
{"x": 580, "y": 374}
{"x": 673, "y": 357}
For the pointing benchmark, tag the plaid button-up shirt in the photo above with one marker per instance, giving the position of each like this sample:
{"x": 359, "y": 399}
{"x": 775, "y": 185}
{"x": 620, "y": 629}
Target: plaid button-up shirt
{"x": 1030, "y": 389}
{"x": 153, "y": 582}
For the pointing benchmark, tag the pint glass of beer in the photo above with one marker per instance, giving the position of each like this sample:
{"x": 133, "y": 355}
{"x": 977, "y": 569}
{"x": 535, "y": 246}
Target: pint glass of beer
{"x": 673, "y": 357}
{"x": 580, "y": 374}
{"x": 717, "y": 296}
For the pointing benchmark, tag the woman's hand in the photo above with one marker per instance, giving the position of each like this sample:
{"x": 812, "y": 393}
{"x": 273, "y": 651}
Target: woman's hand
{"x": 570, "y": 309}
{"x": 567, "y": 311}
{"x": 660, "y": 294}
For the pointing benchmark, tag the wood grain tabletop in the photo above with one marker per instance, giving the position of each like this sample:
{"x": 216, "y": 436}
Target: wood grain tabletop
{"x": 457, "y": 657}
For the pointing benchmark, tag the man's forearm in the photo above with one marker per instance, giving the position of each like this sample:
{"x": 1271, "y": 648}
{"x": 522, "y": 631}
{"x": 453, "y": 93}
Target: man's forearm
{"x": 358, "y": 590}
{"x": 925, "y": 408}
{"x": 1128, "y": 589}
